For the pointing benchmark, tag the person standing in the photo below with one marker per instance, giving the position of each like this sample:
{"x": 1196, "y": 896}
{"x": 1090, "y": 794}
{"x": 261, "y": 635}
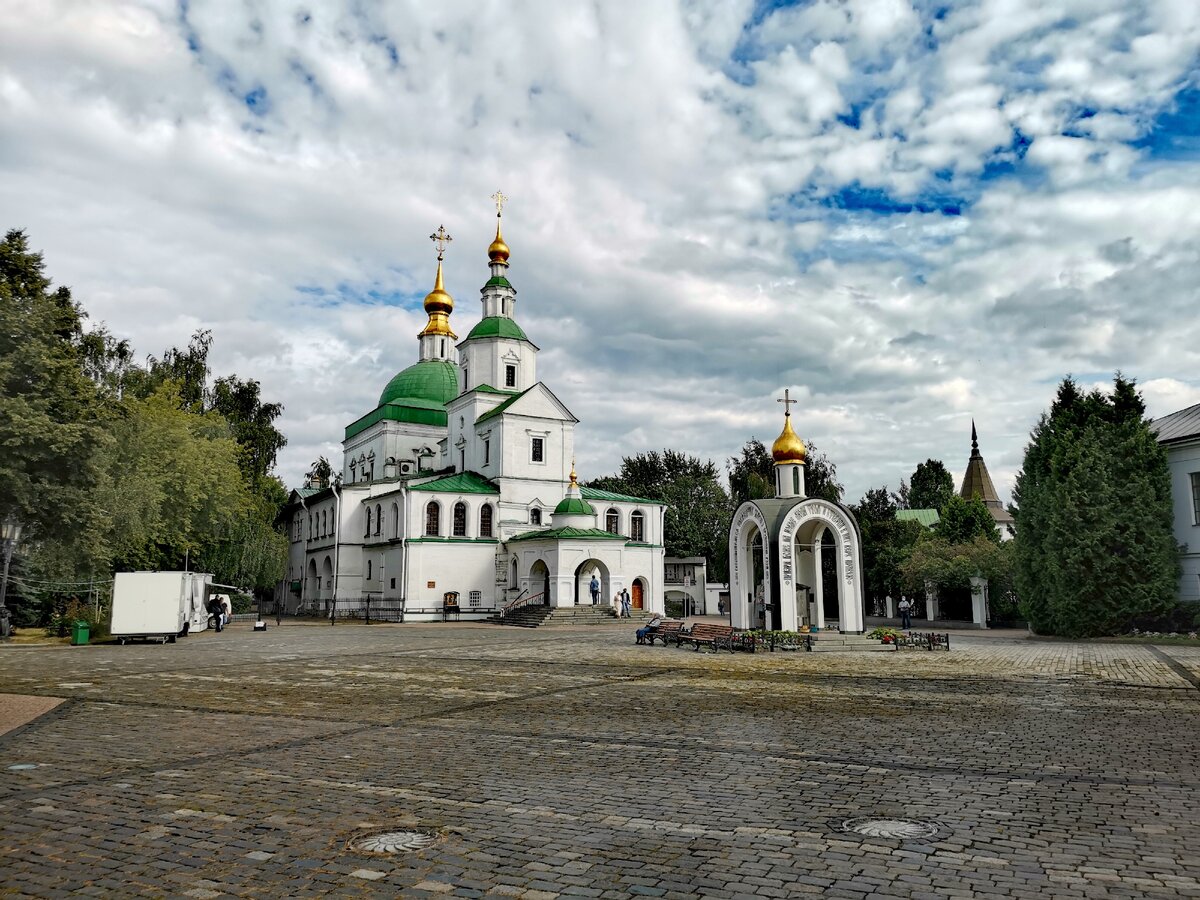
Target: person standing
{"x": 626, "y": 604}
{"x": 905, "y": 613}
{"x": 594, "y": 588}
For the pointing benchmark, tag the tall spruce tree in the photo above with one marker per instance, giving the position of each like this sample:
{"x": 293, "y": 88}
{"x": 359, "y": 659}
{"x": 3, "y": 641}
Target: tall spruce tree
{"x": 1094, "y": 545}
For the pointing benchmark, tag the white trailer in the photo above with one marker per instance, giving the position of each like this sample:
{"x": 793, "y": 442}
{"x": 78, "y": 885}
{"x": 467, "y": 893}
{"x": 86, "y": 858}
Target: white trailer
{"x": 159, "y": 605}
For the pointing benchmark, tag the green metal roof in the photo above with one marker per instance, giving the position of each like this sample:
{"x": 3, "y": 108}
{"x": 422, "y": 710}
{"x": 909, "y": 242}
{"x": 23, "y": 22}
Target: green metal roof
{"x": 926, "y": 517}
{"x": 429, "y": 384}
{"x": 427, "y": 414}
{"x": 573, "y": 506}
{"x": 501, "y": 408}
{"x": 499, "y": 281}
{"x": 460, "y": 483}
{"x": 488, "y": 389}
{"x": 497, "y": 326}
{"x": 567, "y": 533}
{"x": 597, "y": 494}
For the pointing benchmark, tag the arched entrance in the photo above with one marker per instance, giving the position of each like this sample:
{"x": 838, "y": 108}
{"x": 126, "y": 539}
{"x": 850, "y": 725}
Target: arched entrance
{"x": 637, "y": 593}
{"x": 749, "y": 568}
{"x": 831, "y": 597}
{"x": 820, "y": 552}
{"x": 312, "y": 586}
{"x": 583, "y": 578}
{"x": 539, "y": 581}
{"x": 327, "y": 583}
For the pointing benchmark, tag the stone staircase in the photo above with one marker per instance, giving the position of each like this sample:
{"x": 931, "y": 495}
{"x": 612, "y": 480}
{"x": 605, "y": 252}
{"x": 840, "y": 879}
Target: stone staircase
{"x": 537, "y": 616}
{"x": 835, "y": 642}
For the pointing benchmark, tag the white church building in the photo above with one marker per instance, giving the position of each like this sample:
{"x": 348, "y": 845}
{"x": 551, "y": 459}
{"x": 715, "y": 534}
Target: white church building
{"x": 462, "y": 480}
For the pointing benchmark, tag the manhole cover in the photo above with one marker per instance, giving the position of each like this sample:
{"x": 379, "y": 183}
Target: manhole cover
{"x": 394, "y": 842}
{"x": 906, "y": 829}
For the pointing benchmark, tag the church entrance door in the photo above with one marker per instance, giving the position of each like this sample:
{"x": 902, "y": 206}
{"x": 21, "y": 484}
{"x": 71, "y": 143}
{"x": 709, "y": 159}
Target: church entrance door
{"x": 636, "y": 593}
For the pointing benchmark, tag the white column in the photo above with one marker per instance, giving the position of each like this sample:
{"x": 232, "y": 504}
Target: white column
{"x": 562, "y": 591}
{"x": 891, "y": 606}
{"x": 979, "y": 598}
{"x": 931, "y": 601}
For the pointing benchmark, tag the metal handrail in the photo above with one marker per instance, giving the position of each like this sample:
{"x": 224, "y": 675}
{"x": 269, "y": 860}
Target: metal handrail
{"x": 520, "y": 602}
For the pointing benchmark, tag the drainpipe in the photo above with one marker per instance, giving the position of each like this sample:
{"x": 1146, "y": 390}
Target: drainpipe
{"x": 337, "y": 546}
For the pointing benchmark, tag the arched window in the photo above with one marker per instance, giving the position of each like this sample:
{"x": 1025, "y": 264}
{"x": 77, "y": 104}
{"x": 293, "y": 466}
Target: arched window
{"x": 310, "y": 526}
{"x": 368, "y": 534}
{"x": 352, "y": 472}
{"x": 433, "y": 519}
{"x": 485, "y": 521}
{"x": 612, "y": 522}
{"x": 378, "y": 518}
{"x": 395, "y": 521}
{"x": 368, "y": 570}
{"x": 637, "y": 527}
{"x": 324, "y": 522}
{"x": 535, "y": 516}
{"x": 460, "y": 519}
{"x": 795, "y": 479}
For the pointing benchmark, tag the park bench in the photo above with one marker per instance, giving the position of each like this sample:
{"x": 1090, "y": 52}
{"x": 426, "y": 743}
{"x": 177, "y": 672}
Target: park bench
{"x": 917, "y": 640}
{"x": 716, "y": 636}
{"x": 666, "y": 630}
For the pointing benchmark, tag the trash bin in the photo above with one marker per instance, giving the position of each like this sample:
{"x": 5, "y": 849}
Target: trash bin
{"x": 80, "y": 631}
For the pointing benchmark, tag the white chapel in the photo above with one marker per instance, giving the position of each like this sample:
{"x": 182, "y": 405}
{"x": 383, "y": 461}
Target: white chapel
{"x": 462, "y": 480}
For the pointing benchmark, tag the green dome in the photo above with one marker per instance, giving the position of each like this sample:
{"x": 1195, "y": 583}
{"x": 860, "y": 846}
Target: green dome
{"x": 497, "y": 326}
{"x": 574, "y": 506}
{"x": 429, "y": 384}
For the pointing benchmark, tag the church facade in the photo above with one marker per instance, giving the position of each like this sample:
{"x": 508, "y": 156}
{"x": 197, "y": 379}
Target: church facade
{"x": 790, "y": 554}
{"x": 462, "y": 480}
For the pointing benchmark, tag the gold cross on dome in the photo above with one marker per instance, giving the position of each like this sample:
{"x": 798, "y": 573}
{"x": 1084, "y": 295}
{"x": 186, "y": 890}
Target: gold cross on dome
{"x": 441, "y": 239}
{"x": 500, "y": 201}
{"x": 787, "y": 402}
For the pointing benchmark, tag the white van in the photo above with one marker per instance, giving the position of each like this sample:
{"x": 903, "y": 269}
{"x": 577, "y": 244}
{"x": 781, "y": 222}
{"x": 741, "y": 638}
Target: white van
{"x": 159, "y": 605}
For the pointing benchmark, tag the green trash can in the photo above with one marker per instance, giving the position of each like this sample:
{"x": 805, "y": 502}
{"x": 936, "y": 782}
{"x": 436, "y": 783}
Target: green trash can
{"x": 80, "y": 632}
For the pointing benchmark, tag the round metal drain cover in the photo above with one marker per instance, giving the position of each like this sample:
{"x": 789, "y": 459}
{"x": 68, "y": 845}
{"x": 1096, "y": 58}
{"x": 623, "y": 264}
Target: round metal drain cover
{"x": 394, "y": 842}
{"x": 905, "y": 829}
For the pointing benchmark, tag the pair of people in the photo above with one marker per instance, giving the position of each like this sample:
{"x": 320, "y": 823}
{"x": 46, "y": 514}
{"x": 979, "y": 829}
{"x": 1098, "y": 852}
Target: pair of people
{"x": 221, "y": 610}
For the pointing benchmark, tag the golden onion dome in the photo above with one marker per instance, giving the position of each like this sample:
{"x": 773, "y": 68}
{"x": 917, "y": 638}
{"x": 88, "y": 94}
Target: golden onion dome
{"x": 498, "y": 250}
{"x": 788, "y": 449}
{"x": 438, "y": 300}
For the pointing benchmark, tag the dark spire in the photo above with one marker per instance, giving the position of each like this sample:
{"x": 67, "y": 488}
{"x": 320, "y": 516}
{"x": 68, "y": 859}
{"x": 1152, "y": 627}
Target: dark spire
{"x": 974, "y": 440}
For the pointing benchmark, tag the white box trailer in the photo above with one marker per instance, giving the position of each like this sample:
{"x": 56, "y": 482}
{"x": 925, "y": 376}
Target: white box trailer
{"x": 159, "y": 605}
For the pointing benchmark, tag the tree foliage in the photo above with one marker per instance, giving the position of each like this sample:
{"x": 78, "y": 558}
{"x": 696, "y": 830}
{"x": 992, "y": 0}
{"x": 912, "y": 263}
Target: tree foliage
{"x": 698, "y": 507}
{"x": 962, "y": 521}
{"x": 886, "y": 541}
{"x": 112, "y": 465}
{"x": 934, "y": 560}
{"x": 930, "y": 487}
{"x": 1094, "y": 543}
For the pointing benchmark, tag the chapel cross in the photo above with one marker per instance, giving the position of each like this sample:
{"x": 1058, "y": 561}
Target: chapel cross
{"x": 787, "y": 402}
{"x": 500, "y": 201}
{"x": 441, "y": 239}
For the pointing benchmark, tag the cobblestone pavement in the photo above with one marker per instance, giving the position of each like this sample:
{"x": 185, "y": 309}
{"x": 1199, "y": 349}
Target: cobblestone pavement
{"x": 569, "y": 762}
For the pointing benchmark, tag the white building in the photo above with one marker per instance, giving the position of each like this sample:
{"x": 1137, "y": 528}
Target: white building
{"x": 776, "y": 548}
{"x": 1179, "y": 433}
{"x": 462, "y": 479}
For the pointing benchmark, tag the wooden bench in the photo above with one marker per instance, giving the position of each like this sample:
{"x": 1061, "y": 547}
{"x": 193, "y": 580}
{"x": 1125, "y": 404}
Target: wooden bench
{"x": 666, "y": 630}
{"x": 716, "y": 636}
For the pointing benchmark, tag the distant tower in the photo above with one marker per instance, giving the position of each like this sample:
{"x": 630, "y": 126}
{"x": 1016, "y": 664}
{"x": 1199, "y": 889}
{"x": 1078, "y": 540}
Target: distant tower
{"x": 977, "y": 481}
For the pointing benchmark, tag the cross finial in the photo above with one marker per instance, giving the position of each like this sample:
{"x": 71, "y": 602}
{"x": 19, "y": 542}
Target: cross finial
{"x": 441, "y": 239}
{"x": 787, "y": 401}
{"x": 500, "y": 201}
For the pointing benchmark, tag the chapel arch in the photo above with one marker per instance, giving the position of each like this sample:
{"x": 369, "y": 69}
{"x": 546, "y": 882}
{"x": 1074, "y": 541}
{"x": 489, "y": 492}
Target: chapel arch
{"x": 583, "y": 580}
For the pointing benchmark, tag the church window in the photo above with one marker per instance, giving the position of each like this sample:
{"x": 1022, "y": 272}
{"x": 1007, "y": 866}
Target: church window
{"x": 368, "y": 570}
{"x": 310, "y": 534}
{"x": 510, "y": 376}
{"x": 368, "y": 534}
{"x": 460, "y": 519}
{"x": 462, "y": 459}
{"x": 535, "y": 516}
{"x": 324, "y": 523}
{"x": 378, "y": 518}
{"x": 637, "y": 527}
{"x": 537, "y": 452}
{"x": 485, "y": 521}
{"x": 487, "y": 452}
{"x": 433, "y": 517}
{"x": 1195, "y": 476}
{"x": 395, "y": 521}
{"x": 442, "y": 350}
{"x": 371, "y": 475}
{"x": 795, "y": 479}
{"x": 612, "y": 522}
{"x": 476, "y": 597}
{"x": 353, "y": 474}
{"x": 466, "y": 381}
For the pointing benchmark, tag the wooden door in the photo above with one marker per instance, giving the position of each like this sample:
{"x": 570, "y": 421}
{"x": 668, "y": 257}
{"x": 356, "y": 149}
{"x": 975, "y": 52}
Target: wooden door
{"x": 637, "y": 595}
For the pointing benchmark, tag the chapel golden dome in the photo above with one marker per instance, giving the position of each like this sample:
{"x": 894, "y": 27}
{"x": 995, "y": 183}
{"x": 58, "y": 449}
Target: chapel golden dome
{"x": 788, "y": 449}
{"x": 438, "y": 302}
{"x": 498, "y": 250}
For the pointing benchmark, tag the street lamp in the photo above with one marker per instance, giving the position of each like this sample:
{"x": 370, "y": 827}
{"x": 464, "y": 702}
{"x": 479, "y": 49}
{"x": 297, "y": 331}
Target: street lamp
{"x": 10, "y": 533}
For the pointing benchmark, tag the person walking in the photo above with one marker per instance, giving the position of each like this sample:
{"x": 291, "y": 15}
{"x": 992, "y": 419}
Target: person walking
{"x": 594, "y": 588}
{"x": 905, "y": 613}
{"x": 626, "y": 604}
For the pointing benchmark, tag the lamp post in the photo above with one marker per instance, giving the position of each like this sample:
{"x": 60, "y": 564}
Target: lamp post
{"x": 10, "y": 533}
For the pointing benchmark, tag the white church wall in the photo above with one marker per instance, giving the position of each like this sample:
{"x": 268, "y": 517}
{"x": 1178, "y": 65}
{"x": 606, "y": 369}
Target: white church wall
{"x": 387, "y": 440}
{"x": 1182, "y": 461}
{"x": 485, "y": 362}
{"x": 439, "y": 566}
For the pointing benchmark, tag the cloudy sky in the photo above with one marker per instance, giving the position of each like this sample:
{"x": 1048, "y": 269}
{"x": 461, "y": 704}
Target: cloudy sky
{"x": 911, "y": 214}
